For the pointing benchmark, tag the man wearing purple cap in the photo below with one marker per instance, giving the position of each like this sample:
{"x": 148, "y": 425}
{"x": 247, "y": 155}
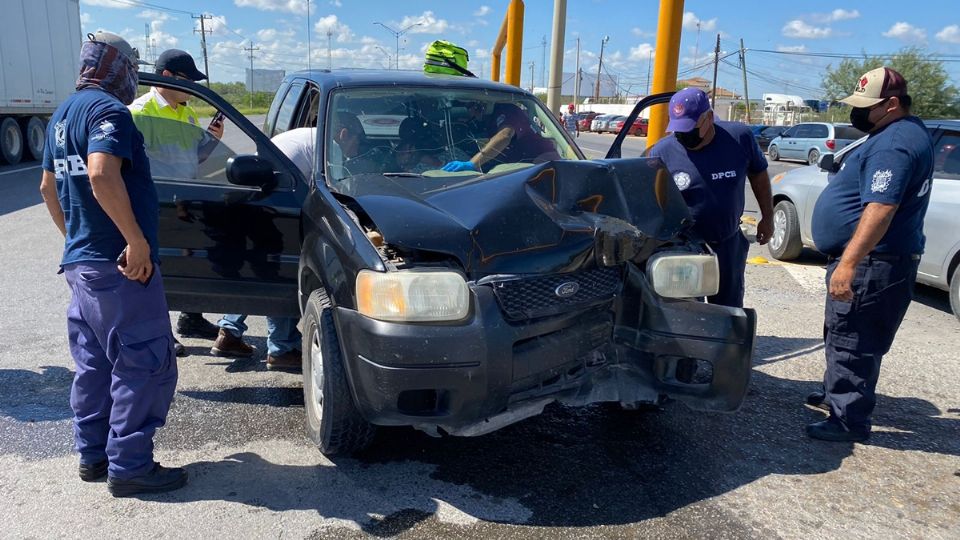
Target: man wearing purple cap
{"x": 869, "y": 222}
{"x": 710, "y": 161}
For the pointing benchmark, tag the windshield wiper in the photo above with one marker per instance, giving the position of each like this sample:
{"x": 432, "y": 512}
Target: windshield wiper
{"x": 402, "y": 175}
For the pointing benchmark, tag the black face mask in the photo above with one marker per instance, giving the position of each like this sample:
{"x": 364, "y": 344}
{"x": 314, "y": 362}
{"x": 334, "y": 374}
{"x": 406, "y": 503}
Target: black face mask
{"x": 860, "y": 118}
{"x": 689, "y": 139}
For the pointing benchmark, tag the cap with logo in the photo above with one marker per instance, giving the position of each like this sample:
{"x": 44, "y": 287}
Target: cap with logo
{"x": 180, "y": 63}
{"x": 686, "y": 107}
{"x": 875, "y": 86}
{"x": 118, "y": 43}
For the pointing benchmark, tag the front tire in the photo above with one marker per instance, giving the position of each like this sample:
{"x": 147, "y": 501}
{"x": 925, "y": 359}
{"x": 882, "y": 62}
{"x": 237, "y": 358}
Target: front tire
{"x": 955, "y": 292}
{"x": 333, "y": 422}
{"x": 813, "y": 157}
{"x": 773, "y": 153}
{"x": 11, "y": 141}
{"x": 785, "y": 243}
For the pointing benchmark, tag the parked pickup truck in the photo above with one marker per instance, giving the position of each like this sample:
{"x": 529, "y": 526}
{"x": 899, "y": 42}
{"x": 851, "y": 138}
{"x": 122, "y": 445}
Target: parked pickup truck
{"x": 453, "y": 302}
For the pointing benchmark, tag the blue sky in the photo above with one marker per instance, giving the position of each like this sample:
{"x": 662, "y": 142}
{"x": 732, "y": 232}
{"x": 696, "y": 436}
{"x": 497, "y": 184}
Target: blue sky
{"x": 279, "y": 29}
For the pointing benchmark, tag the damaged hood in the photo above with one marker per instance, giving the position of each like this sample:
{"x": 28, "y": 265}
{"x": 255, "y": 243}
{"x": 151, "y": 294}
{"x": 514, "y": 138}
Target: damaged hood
{"x": 558, "y": 216}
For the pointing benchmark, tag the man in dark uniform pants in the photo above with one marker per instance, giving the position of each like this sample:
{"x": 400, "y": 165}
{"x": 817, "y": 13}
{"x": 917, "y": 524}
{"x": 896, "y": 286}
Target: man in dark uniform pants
{"x": 710, "y": 162}
{"x": 97, "y": 187}
{"x": 869, "y": 222}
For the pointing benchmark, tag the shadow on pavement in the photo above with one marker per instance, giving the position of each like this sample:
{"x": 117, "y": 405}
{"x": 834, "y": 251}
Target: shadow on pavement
{"x": 933, "y": 297}
{"x": 20, "y": 190}
{"x": 28, "y": 396}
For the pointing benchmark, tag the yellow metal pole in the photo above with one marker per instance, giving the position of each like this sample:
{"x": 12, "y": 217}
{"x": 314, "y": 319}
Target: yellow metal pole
{"x": 514, "y": 42}
{"x": 498, "y": 49}
{"x": 665, "y": 65}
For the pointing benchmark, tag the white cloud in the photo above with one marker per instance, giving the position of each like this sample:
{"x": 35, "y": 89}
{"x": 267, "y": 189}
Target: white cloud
{"x": 367, "y": 40}
{"x": 950, "y": 34}
{"x": 799, "y": 29}
{"x": 482, "y": 12}
{"x": 217, "y": 25}
{"x": 154, "y": 15}
{"x": 336, "y": 3}
{"x": 481, "y": 54}
{"x": 792, "y": 48}
{"x": 690, "y": 21}
{"x": 427, "y": 23}
{"x": 906, "y": 32}
{"x": 332, "y": 24}
{"x": 290, "y": 6}
{"x": 641, "y": 52}
{"x": 272, "y": 34}
{"x": 642, "y": 33}
{"x": 107, "y": 4}
{"x": 836, "y": 15}
{"x": 85, "y": 19}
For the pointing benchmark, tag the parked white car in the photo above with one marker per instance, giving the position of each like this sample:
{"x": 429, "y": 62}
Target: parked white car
{"x": 795, "y": 193}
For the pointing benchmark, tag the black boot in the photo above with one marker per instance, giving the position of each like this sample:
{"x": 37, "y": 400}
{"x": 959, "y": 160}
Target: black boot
{"x": 160, "y": 479}
{"x": 93, "y": 471}
{"x": 835, "y": 430}
{"x": 195, "y": 326}
{"x": 818, "y": 399}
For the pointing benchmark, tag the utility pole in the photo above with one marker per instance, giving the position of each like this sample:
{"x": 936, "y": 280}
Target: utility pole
{"x": 146, "y": 42}
{"x": 596, "y": 92}
{"x": 250, "y": 50}
{"x": 397, "y": 34}
{"x": 330, "y": 49}
{"x": 716, "y": 64}
{"x": 532, "y": 66}
{"x": 576, "y": 80}
{"x": 696, "y": 48}
{"x": 384, "y": 51}
{"x": 309, "y": 48}
{"x": 649, "y": 62}
{"x": 543, "y": 61}
{"x": 203, "y": 42}
{"x": 743, "y": 64}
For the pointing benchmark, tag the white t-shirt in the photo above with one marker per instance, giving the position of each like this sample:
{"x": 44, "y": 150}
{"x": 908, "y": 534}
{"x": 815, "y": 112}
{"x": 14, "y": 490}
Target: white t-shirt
{"x": 298, "y": 144}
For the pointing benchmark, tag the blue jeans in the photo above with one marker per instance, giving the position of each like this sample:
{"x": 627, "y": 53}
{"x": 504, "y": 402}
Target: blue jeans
{"x": 282, "y": 333}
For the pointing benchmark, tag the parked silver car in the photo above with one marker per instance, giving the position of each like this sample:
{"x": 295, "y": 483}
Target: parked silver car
{"x": 795, "y": 193}
{"x": 599, "y": 123}
{"x": 810, "y": 140}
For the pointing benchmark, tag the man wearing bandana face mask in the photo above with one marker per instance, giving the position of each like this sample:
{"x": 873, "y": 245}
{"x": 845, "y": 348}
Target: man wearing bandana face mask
{"x": 710, "y": 162}
{"x": 869, "y": 222}
{"x": 97, "y": 187}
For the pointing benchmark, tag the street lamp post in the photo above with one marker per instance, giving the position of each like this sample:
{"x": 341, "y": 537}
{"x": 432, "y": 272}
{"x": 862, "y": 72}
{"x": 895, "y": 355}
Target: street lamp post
{"x": 397, "y": 34}
{"x": 384, "y": 51}
{"x": 596, "y": 92}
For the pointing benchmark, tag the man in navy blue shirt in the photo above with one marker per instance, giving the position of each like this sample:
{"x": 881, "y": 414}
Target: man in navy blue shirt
{"x": 710, "y": 162}
{"x": 97, "y": 187}
{"x": 869, "y": 222}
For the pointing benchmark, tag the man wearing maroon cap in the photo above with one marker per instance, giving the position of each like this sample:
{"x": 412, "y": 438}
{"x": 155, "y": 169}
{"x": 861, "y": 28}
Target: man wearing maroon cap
{"x": 869, "y": 222}
{"x": 710, "y": 162}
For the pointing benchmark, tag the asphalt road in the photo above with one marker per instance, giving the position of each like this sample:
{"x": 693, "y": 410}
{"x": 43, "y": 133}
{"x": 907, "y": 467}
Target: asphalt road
{"x": 596, "y": 472}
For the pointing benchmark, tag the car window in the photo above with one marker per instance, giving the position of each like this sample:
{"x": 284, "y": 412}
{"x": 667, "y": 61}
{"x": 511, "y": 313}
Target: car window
{"x": 179, "y": 143}
{"x": 287, "y": 109}
{"x": 946, "y": 156}
{"x": 804, "y": 131}
{"x": 792, "y": 132}
{"x": 771, "y": 131}
{"x": 271, "y": 119}
{"x": 819, "y": 131}
{"x": 415, "y": 131}
{"x": 847, "y": 132}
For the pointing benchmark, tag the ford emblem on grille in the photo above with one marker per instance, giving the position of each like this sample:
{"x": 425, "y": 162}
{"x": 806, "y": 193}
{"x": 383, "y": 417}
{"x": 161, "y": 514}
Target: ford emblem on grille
{"x": 567, "y": 289}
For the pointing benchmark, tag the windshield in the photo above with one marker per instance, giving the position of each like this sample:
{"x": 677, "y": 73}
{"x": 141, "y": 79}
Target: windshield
{"x": 416, "y": 132}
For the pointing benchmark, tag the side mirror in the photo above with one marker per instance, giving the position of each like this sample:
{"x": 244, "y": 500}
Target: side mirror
{"x": 250, "y": 170}
{"x": 827, "y": 164}
{"x": 784, "y": 135}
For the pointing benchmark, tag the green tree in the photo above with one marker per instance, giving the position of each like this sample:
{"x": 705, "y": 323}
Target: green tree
{"x": 927, "y": 81}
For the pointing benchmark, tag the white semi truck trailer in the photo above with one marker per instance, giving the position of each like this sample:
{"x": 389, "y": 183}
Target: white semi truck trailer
{"x": 39, "y": 51}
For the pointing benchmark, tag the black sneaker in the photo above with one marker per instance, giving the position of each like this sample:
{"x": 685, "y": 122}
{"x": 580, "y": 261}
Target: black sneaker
{"x": 178, "y": 348}
{"x": 93, "y": 471}
{"x": 159, "y": 480}
{"x": 195, "y": 326}
{"x": 834, "y": 430}
{"x": 818, "y": 399}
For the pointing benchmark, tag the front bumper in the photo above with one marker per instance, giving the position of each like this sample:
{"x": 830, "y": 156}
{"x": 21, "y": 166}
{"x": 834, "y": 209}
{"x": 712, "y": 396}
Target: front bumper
{"x": 481, "y": 374}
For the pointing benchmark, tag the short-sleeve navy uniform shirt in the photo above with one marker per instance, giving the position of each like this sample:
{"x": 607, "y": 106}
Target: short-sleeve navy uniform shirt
{"x": 712, "y": 180}
{"x": 893, "y": 166}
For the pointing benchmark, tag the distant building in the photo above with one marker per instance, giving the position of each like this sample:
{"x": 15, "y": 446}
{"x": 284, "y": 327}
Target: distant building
{"x": 588, "y": 84}
{"x": 264, "y": 80}
{"x": 707, "y": 86}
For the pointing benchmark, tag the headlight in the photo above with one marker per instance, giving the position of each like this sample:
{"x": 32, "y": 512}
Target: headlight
{"x": 676, "y": 275}
{"x": 412, "y": 296}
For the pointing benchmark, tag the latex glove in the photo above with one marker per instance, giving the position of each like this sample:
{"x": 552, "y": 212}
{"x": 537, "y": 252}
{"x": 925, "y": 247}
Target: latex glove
{"x": 458, "y": 166}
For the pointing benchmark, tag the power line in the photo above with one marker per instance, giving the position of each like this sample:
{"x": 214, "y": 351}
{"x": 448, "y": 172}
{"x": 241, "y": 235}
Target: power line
{"x": 935, "y": 58}
{"x": 139, "y": 3}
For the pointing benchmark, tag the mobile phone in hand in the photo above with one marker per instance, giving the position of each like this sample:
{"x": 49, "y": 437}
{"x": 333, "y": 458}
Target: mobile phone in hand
{"x": 217, "y": 119}
{"x": 122, "y": 259}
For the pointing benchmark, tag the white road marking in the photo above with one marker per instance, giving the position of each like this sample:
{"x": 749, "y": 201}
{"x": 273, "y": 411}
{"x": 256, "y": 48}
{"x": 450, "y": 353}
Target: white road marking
{"x": 20, "y": 170}
{"x": 811, "y": 278}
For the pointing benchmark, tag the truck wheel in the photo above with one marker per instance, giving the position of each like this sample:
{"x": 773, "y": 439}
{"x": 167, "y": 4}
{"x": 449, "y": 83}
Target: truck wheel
{"x": 773, "y": 153}
{"x": 333, "y": 422}
{"x": 34, "y": 132}
{"x": 785, "y": 244}
{"x": 955, "y": 292}
{"x": 11, "y": 141}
